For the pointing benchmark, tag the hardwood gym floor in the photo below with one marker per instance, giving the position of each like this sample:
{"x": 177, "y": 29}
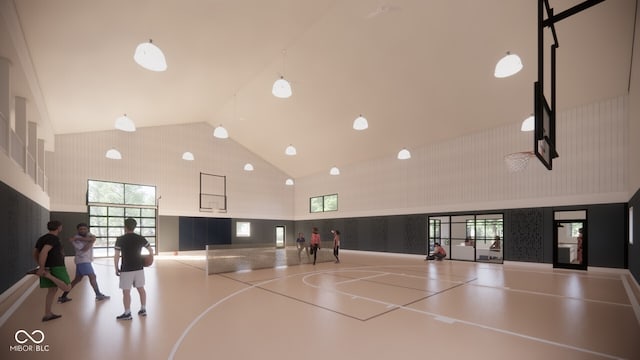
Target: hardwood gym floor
{"x": 370, "y": 306}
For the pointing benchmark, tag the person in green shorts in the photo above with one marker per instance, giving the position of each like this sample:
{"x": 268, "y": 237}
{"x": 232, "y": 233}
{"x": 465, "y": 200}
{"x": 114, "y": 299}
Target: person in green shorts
{"x": 52, "y": 271}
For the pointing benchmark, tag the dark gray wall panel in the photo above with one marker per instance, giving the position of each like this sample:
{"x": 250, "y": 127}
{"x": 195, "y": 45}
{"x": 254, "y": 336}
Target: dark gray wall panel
{"x": 606, "y": 235}
{"x": 524, "y": 234}
{"x": 196, "y": 233}
{"x": 168, "y": 233}
{"x": 634, "y": 250}
{"x": 23, "y": 222}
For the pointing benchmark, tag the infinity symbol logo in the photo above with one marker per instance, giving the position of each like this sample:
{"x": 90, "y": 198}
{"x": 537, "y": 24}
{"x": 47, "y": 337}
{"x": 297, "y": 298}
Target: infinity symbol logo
{"x": 29, "y": 337}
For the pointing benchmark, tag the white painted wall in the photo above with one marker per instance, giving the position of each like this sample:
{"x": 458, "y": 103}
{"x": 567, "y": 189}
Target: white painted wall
{"x": 152, "y": 156}
{"x": 15, "y": 177}
{"x": 13, "y": 83}
{"x": 469, "y": 173}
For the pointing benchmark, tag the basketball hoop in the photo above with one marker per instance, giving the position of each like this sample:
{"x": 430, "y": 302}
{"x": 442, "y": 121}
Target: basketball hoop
{"x": 517, "y": 161}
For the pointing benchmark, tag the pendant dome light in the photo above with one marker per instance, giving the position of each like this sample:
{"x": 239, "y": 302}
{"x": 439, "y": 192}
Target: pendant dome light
{"x": 290, "y": 150}
{"x": 113, "y": 154}
{"x": 528, "y": 124}
{"x": 150, "y": 57}
{"x": 360, "y": 123}
{"x": 281, "y": 87}
{"x": 125, "y": 123}
{"x": 188, "y": 156}
{"x": 220, "y": 132}
{"x": 509, "y": 65}
{"x": 404, "y": 154}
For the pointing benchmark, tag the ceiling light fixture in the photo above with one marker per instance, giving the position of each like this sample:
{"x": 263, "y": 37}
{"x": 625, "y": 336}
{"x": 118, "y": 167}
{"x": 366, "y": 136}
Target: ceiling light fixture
{"x": 248, "y": 167}
{"x": 220, "y": 132}
{"x": 281, "y": 87}
{"x": 508, "y": 65}
{"x": 404, "y": 154}
{"x": 113, "y": 154}
{"x": 150, "y": 57}
{"x": 290, "y": 150}
{"x": 188, "y": 156}
{"x": 360, "y": 123}
{"x": 334, "y": 171}
{"x": 528, "y": 124}
{"x": 125, "y": 123}
{"x": 289, "y": 182}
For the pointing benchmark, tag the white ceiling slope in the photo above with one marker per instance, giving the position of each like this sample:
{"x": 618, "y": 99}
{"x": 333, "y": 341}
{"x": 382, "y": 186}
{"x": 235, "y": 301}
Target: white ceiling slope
{"x": 420, "y": 71}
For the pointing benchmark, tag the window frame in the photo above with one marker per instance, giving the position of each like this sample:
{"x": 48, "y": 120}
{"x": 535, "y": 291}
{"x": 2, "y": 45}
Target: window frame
{"x": 107, "y": 231}
{"x": 323, "y": 201}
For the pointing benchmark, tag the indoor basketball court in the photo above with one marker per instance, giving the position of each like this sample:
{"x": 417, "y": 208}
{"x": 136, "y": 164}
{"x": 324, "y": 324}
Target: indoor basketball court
{"x": 371, "y": 305}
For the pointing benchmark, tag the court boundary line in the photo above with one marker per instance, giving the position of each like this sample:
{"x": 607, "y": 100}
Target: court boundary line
{"x": 632, "y": 297}
{"x": 553, "y": 295}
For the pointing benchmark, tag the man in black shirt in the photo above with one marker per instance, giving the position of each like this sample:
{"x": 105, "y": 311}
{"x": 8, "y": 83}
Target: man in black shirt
{"x": 131, "y": 271}
{"x": 52, "y": 271}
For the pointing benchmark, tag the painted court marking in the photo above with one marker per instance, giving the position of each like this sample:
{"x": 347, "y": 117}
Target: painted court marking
{"x": 438, "y": 317}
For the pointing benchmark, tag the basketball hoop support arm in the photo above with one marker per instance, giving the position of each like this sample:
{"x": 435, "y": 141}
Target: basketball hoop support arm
{"x": 549, "y": 22}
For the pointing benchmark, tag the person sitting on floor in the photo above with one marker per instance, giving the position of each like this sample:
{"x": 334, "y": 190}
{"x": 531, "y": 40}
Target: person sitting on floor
{"x": 438, "y": 252}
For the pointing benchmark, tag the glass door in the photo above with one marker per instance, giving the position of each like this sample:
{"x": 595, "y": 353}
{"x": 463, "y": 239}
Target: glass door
{"x": 280, "y": 236}
{"x": 438, "y": 233}
{"x": 570, "y": 240}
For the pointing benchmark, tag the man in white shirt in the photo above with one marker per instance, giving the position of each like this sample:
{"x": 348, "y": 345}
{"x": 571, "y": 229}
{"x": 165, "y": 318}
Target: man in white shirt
{"x": 83, "y": 243}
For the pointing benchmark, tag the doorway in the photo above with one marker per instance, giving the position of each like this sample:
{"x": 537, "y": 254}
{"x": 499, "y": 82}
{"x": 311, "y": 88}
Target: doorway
{"x": 280, "y": 237}
{"x": 570, "y": 240}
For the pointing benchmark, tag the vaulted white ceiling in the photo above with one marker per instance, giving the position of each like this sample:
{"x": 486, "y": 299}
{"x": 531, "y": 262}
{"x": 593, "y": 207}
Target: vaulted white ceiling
{"x": 420, "y": 71}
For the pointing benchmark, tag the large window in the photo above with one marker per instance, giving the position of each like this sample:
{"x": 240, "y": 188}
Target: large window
{"x": 243, "y": 229}
{"x": 469, "y": 237}
{"x": 323, "y": 203}
{"x": 110, "y": 203}
{"x": 484, "y": 231}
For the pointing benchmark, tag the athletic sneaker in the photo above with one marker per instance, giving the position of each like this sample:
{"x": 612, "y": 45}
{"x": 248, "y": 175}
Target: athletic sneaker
{"x": 101, "y": 297}
{"x": 63, "y": 299}
{"x": 33, "y": 271}
{"x": 124, "y": 316}
{"x": 51, "y": 317}
{"x": 142, "y": 312}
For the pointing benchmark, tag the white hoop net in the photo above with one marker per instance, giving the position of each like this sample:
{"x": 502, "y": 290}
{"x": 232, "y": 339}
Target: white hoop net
{"x": 517, "y": 161}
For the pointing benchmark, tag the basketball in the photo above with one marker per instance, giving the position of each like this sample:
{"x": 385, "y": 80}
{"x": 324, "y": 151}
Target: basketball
{"x": 148, "y": 260}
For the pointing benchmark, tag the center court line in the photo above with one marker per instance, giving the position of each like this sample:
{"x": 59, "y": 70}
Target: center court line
{"x": 197, "y": 319}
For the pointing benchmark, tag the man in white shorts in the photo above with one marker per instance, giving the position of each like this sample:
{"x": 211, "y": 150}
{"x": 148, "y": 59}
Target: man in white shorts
{"x": 83, "y": 244}
{"x": 131, "y": 272}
